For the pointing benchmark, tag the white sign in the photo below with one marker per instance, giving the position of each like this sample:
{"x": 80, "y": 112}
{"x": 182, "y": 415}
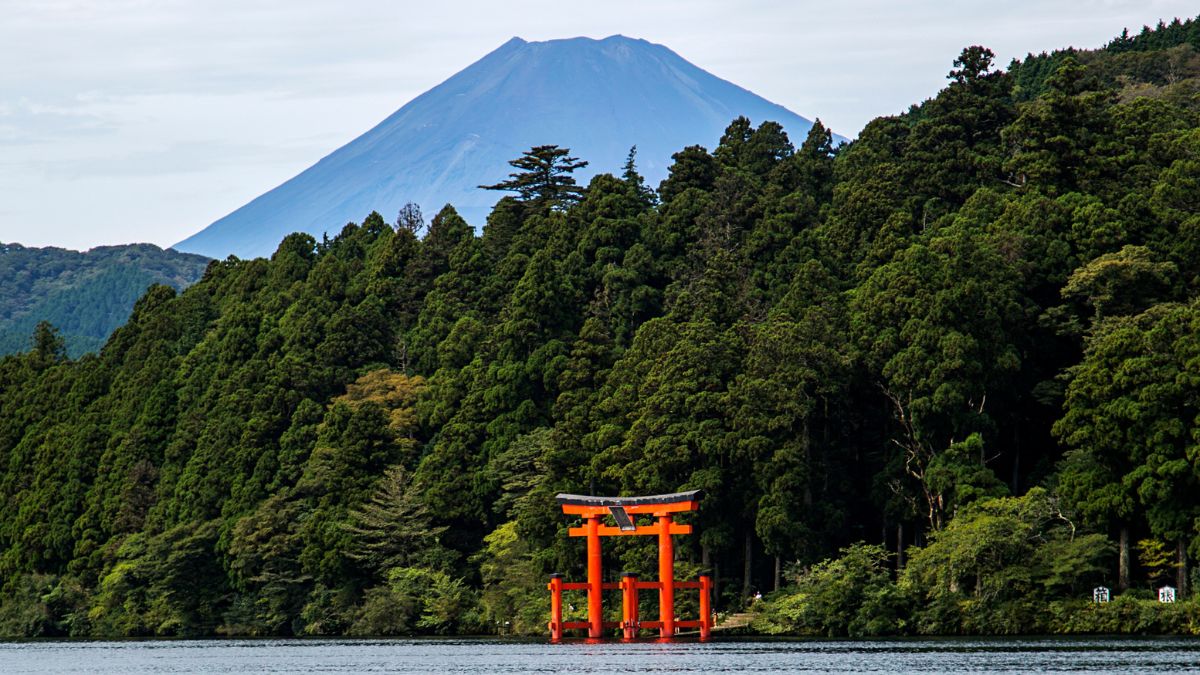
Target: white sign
{"x": 1166, "y": 594}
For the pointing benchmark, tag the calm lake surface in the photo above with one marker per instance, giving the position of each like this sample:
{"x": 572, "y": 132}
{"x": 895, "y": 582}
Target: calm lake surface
{"x": 498, "y": 656}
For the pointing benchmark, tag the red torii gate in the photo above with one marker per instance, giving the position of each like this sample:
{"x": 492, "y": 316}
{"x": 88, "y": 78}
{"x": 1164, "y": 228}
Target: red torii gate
{"x": 623, "y": 510}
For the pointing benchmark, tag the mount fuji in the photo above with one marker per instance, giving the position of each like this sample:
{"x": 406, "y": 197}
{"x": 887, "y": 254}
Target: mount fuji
{"x": 596, "y": 97}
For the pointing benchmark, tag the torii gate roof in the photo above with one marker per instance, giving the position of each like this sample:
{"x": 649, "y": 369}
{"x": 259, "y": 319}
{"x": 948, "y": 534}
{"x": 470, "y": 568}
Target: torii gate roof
{"x": 675, "y": 502}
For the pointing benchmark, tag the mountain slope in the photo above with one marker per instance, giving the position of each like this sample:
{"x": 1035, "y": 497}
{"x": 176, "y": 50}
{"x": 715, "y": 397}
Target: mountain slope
{"x": 86, "y": 295}
{"x": 597, "y": 97}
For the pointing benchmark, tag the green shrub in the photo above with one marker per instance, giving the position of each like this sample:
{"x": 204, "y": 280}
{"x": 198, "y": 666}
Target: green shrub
{"x": 514, "y": 598}
{"x": 886, "y": 610}
{"x": 1014, "y": 616}
{"x": 385, "y": 612}
{"x": 418, "y": 600}
{"x": 1127, "y": 614}
{"x": 329, "y": 611}
{"x": 850, "y": 595}
{"x": 168, "y": 584}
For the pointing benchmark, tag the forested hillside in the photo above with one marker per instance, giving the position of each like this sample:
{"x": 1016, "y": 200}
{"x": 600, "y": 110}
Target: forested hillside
{"x": 943, "y": 379}
{"x": 85, "y": 294}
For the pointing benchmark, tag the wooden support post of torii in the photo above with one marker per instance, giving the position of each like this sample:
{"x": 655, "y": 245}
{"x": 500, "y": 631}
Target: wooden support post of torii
{"x": 624, "y": 512}
{"x": 629, "y": 606}
{"x": 666, "y": 576}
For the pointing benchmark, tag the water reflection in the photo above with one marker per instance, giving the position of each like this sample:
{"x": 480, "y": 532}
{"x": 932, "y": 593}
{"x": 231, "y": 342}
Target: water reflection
{"x": 496, "y": 656}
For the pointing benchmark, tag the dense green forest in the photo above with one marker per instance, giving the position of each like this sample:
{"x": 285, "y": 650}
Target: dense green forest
{"x": 944, "y": 379}
{"x": 86, "y": 295}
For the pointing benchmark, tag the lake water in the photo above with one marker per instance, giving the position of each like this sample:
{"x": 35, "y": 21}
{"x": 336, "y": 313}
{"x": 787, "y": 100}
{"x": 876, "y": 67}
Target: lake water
{"x": 499, "y": 656}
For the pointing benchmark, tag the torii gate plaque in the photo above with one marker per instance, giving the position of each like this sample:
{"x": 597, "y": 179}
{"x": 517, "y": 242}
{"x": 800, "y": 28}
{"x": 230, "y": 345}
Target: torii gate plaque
{"x": 623, "y": 511}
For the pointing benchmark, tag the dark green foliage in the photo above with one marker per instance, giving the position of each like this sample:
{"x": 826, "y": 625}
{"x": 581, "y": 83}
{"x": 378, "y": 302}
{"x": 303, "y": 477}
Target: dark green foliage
{"x": 394, "y": 528}
{"x": 544, "y": 179}
{"x": 693, "y": 167}
{"x": 1130, "y": 422}
{"x": 1162, "y": 36}
{"x": 1156, "y": 61}
{"x": 960, "y": 351}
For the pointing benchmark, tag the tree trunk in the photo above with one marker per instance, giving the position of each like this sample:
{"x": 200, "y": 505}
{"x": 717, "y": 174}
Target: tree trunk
{"x": 1123, "y": 560}
{"x": 1016, "y": 472}
{"x": 706, "y": 566}
{"x": 808, "y": 495}
{"x": 749, "y": 563}
{"x": 716, "y": 591}
{"x": 899, "y": 548}
{"x": 779, "y": 571}
{"x": 1181, "y": 572}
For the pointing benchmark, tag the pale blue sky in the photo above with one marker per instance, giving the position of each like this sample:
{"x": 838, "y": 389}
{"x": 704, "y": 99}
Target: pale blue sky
{"x": 146, "y": 120}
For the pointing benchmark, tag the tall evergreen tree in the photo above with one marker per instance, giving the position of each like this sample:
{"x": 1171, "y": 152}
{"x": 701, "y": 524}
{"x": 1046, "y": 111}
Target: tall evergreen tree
{"x": 544, "y": 178}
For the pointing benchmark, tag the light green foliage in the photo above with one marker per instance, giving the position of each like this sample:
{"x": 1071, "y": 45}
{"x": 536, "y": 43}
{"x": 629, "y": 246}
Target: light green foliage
{"x": 1120, "y": 283}
{"x": 996, "y": 558}
{"x": 417, "y": 600}
{"x": 514, "y": 598}
{"x": 959, "y": 476}
{"x": 1126, "y": 614}
{"x": 849, "y": 595}
{"x": 167, "y": 584}
{"x": 1155, "y": 558}
{"x": 1067, "y": 565}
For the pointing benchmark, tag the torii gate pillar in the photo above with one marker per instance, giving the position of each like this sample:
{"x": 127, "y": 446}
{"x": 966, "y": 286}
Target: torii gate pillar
{"x": 595, "y": 580}
{"x": 666, "y": 577}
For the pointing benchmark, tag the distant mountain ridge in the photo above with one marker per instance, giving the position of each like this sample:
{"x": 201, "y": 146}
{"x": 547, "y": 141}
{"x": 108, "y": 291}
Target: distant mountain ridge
{"x": 86, "y": 295}
{"x": 597, "y": 97}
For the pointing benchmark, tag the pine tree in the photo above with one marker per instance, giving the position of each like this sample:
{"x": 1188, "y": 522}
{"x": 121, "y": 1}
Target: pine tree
{"x": 544, "y": 178}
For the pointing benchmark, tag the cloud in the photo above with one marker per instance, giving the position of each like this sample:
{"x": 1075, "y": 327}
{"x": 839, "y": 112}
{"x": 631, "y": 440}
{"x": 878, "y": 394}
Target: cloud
{"x": 179, "y": 111}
